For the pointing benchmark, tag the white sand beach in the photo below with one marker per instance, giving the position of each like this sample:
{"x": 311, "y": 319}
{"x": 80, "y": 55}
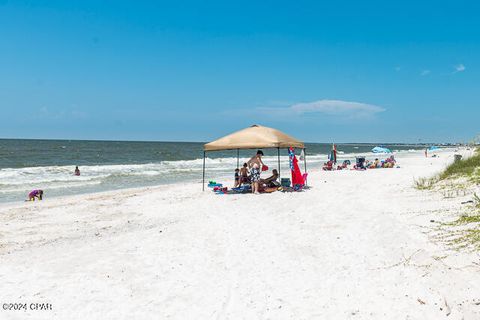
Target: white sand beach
{"x": 357, "y": 245}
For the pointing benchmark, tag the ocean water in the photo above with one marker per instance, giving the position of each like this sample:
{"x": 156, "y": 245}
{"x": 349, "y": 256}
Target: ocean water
{"x": 108, "y": 165}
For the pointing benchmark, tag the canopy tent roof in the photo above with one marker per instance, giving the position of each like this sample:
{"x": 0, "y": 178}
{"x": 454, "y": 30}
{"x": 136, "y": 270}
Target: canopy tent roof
{"x": 254, "y": 137}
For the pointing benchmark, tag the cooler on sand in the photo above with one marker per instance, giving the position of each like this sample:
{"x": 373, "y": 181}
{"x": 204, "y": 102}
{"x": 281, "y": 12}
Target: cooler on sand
{"x": 285, "y": 182}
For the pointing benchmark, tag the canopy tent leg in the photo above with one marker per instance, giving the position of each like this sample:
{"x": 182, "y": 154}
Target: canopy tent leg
{"x": 305, "y": 163}
{"x": 203, "y": 179}
{"x": 238, "y": 158}
{"x": 278, "y": 154}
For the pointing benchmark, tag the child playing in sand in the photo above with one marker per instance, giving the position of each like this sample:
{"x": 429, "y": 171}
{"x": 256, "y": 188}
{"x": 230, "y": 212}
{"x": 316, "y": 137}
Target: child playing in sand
{"x": 35, "y": 194}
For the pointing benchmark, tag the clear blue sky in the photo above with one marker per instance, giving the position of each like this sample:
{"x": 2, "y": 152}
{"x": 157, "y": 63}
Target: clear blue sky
{"x": 323, "y": 71}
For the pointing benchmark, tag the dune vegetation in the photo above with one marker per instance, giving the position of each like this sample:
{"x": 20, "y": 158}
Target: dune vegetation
{"x": 460, "y": 178}
{"x": 455, "y": 175}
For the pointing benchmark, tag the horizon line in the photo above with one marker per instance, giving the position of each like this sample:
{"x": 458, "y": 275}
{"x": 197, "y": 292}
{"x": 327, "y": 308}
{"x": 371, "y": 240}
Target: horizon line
{"x": 184, "y": 141}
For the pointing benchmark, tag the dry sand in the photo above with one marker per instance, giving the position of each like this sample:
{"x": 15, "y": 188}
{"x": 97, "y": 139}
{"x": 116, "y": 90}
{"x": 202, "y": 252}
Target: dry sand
{"x": 357, "y": 245}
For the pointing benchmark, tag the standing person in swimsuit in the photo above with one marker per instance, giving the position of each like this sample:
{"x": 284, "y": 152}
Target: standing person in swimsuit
{"x": 77, "y": 171}
{"x": 255, "y": 164}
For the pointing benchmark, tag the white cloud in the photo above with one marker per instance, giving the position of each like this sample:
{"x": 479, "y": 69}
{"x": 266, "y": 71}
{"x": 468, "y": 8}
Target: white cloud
{"x": 336, "y": 107}
{"x": 459, "y": 68}
{"x": 345, "y": 109}
{"x": 425, "y": 72}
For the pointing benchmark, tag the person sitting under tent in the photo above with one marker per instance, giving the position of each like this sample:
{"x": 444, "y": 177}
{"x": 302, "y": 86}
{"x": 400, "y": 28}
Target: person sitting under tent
{"x": 271, "y": 182}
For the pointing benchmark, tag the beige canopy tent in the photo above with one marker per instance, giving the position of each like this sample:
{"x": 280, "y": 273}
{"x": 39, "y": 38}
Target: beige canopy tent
{"x": 254, "y": 137}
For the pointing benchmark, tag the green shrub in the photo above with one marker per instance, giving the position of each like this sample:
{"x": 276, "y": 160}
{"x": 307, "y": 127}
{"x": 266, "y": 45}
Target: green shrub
{"x": 464, "y": 168}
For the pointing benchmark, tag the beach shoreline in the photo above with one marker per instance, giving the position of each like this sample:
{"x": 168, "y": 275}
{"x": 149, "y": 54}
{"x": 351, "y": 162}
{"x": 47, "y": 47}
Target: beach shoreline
{"x": 355, "y": 245}
{"x": 117, "y": 165}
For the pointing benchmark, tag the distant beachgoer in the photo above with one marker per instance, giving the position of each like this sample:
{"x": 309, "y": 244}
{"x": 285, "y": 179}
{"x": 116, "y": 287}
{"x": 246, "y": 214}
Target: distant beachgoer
{"x": 255, "y": 164}
{"x": 77, "y": 171}
{"x": 389, "y": 162}
{"x": 237, "y": 178}
{"x": 375, "y": 164}
{"x": 360, "y": 164}
{"x": 344, "y": 165}
{"x": 35, "y": 194}
{"x": 328, "y": 166}
{"x": 426, "y": 153}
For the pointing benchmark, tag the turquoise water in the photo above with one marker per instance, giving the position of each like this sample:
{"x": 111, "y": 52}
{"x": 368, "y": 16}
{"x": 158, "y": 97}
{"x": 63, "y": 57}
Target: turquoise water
{"x": 109, "y": 165}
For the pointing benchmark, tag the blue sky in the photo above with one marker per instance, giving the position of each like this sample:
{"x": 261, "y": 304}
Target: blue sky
{"x": 323, "y": 71}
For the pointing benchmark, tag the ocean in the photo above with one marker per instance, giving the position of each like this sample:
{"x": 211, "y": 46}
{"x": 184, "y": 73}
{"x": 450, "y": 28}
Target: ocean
{"x": 109, "y": 165}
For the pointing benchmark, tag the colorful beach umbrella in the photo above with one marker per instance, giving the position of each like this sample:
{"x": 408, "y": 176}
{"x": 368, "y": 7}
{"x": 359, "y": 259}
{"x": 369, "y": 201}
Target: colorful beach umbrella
{"x": 381, "y": 150}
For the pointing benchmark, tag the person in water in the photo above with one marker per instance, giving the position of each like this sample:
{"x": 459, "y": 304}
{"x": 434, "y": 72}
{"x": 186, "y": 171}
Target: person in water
{"x": 35, "y": 194}
{"x": 77, "y": 171}
{"x": 255, "y": 164}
